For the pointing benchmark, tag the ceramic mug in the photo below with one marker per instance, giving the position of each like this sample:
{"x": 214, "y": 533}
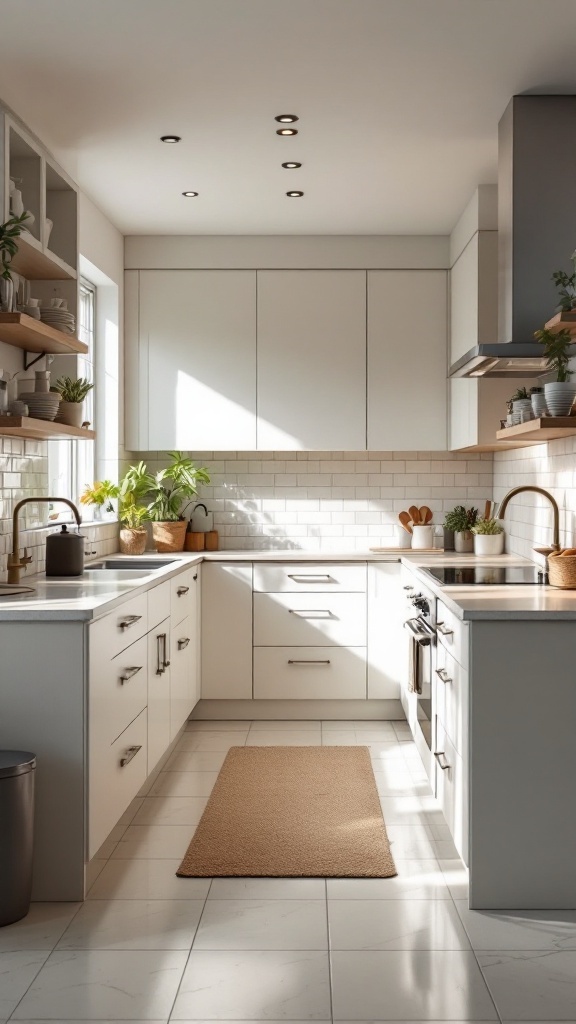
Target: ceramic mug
{"x": 422, "y": 536}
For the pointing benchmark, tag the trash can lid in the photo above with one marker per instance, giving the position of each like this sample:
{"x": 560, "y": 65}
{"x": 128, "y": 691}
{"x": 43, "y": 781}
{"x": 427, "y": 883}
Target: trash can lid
{"x": 16, "y": 762}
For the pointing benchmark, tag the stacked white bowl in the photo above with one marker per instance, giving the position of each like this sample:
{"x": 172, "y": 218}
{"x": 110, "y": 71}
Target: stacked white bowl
{"x": 41, "y": 406}
{"x": 58, "y": 316}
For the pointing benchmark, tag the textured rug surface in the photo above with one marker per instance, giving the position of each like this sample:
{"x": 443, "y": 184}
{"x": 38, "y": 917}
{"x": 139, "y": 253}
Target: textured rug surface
{"x": 292, "y": 811}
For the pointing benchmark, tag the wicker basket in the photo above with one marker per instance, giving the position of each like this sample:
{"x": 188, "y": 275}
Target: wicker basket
{"x": 562, "y": 572}
{"x": 132, "y": 542}
{"x": 169, "y": 536}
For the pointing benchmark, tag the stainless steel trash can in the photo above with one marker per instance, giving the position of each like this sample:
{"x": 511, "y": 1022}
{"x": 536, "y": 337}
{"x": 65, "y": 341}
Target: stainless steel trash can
{"x": 17, "y": 771}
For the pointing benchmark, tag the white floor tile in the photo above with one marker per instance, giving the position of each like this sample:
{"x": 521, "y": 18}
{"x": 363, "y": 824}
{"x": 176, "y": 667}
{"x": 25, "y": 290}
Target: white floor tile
{"x": 171, "y": 810}
{"x": 519, "y": 930}
{"x": 146, "y": 880}
{"x": 97, "y": 985}
{"x": 373, "y": 732}
{"x": 252, "y": 924}
{"x": 211, "y": 740}
{"x": 152, "y": 842}
{"x": 254, "y": 986}
{"x": 416, "y": 880}
{"x": 292, "y": 726}
{"x": 339, "y": 738}
{"x": 395, "y": 924}
{"x": 267, "y": 889}
{"x": 411, "y": 985}
{"x": 217, "y": 726}
{"x": 40, "y": 929}
{"x": 393, "y": 782}
{"x": 200, "y": 761}
{"x": 134, "y": 924}
{"x": 282, "y": 738}
{"x": 184, "y": 784}
{"x": 92, "y": 870}
{"x": 17, "y": 972}
{"x": 456, "y": 877}
{"x": 409, "y": 841}
{"x": 532, "y": 986}
{"x": 411, "y": 810}
{"x": 130, "y": 811}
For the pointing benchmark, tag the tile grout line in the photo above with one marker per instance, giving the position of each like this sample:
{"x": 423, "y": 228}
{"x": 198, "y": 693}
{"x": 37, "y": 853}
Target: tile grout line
{"x": 329, "y": 953}
{"x": 177, "y": 993}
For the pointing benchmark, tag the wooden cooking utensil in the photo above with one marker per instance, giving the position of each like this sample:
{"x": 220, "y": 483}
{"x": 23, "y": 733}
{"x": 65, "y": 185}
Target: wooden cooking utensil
{"x": 487, "y": 510}
{"x": 405, "y": 520}
{"x": 414, "y": 515}
{"x": 425, "y": 515}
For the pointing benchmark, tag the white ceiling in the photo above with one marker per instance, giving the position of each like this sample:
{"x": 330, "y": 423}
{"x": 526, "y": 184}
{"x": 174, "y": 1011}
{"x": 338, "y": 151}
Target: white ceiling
{"x": 398, "y": 100}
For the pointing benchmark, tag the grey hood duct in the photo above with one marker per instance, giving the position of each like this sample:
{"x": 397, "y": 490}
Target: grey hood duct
{"x": 536, "y": 231}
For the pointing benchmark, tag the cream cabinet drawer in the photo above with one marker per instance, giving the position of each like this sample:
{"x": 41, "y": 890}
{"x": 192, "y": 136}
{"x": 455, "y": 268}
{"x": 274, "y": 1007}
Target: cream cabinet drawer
{"x": 121, "y": 627}
{"x": 183, "y": 595}
{"x": 452, "y": 634}
{"x": 118, "y": 690}
{"x": 277, "y": 579}
{"x": 452, "y": 703}
{"x": 452, "y": 790}
{"x": 286, "y": 620}
{"x": 117, "y": 772}
{"x": 159, "y": 603}
{"x": 310, "y": 673}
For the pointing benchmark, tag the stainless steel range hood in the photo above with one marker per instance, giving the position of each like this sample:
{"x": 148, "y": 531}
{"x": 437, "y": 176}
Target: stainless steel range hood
{"x": 536, "y": 231}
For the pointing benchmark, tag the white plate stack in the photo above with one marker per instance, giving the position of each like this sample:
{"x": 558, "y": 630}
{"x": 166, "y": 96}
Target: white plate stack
{"x": 41, "y": 406}
{"x": 60, "y": 319}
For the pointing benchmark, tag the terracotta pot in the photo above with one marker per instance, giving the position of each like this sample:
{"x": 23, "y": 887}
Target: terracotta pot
{"x": 132, "y": 542}
{"x": 71, "y": 413}
{"x": 169, "y": 536}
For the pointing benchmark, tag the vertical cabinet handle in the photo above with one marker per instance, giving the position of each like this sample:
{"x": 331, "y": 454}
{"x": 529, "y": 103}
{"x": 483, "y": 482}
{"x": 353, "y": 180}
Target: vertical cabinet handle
{"x": 130, "y": 753}
{"x": 166, "y": 646}
{"x": 160, "y": 653}
{"x": 128, "y": 673}
{"x": 441, "y": 759}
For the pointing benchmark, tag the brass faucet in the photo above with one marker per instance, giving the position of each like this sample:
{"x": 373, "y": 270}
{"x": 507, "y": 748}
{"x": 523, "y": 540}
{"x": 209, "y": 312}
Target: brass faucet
{"x": 499, "y": 512}
{"x": 15, "y": 560}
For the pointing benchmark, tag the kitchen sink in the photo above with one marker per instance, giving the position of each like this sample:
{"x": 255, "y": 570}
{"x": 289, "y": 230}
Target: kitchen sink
{"x": 134, "y": 563}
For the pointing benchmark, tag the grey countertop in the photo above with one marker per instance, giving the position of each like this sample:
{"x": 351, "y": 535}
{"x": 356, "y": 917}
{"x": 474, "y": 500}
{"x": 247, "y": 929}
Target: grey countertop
{"x": 96, "y": 593}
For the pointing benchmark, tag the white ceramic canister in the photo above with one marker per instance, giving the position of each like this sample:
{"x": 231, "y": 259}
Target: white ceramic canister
{"x": 422, "y": 537}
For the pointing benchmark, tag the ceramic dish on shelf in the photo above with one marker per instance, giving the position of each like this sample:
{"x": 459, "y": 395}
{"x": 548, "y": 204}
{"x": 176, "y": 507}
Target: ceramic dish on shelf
{"x": 41, "y": 406}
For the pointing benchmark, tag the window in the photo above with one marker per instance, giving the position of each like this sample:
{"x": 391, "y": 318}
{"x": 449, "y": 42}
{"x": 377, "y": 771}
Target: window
{"x": 71, "y": 464}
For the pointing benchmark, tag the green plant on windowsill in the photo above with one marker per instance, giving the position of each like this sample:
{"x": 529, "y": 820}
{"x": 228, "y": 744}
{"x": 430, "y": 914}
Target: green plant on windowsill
{"x": 100, "y": 493}
{"x": 487, "y": 528}
{"x": 460, "y": 519}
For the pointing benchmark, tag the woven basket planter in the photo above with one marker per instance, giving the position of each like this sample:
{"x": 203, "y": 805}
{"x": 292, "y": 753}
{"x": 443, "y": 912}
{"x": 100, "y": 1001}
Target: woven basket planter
{"x": 169, "y": 536}
{"x": 562, "y": 572}
{"x": 132, "y": 542}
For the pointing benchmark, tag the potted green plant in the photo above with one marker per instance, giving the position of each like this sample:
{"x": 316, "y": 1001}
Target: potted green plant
{"x": 488, "y": 537}
{"x": 101, "y": 495}
{"x": 10, "y": 231}
{"x": 520, "y": 405}
{"x": 72, "y": 393}
{"x": 133, "y": 534}
{"x": 170, "y": 489}
{"x": 566, "y": 285}
{"x": 460, "y": 521}
{"x": 561, "y": 392}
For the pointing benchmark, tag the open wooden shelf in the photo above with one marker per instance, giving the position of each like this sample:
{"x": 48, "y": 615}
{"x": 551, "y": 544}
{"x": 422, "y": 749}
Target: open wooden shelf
{"x": 547, "y": 428}
{"x": 38, "y": 264}
{"x": 32, "y": 335}
{"x": 562, "y": 321}
{"x": 42, "y": 430}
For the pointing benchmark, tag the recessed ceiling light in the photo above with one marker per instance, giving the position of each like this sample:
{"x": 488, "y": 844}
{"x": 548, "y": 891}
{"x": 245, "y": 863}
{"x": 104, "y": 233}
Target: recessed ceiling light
{"x": 291, "y": 164}
{"x": 287, "y": 131}
{"x": 170, "y": 138}
{"x": 189, "y": 195}
{"x": 286, "y": 118}
{"x": 294, "y": 195}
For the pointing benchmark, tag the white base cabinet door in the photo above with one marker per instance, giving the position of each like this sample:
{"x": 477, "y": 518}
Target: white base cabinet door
{"x": 183, "y": 675}
{"x": 159, "y": 659}
{"x": 311, "y": 360}
{"x": 226, "y": 631}
{"x": 310, "y": 673}
{"x": 387, "y": 641}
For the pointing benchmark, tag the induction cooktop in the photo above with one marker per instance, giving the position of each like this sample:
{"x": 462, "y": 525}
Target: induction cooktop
{"x": 486, "y": 575}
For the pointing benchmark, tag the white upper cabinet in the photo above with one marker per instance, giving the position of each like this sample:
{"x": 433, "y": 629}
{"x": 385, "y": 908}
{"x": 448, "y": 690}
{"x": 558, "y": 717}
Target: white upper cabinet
{"x": 311, "y": 360}
{"x": 407, "y": 387}
{"x": 196, "y": 368}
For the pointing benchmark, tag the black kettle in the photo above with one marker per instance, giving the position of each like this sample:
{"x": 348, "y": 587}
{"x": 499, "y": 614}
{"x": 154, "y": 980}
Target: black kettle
{"x": 64, "y": 553}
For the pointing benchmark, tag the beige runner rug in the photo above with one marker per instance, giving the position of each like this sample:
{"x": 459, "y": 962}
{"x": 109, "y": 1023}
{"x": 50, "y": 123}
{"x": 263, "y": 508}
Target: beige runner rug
{"x": 292, "y": 811}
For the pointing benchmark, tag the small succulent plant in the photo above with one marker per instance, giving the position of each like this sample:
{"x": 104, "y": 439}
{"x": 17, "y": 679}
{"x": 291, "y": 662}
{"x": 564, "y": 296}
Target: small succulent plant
{"x": 487, "y": 528}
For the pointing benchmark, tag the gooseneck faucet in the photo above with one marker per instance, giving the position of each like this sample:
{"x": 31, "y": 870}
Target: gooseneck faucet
{"x": 499, "y": 513}
{"x": 16, "y": 562}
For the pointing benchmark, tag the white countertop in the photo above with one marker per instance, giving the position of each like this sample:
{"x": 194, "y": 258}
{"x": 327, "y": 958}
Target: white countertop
{"x": 95, "y": 594}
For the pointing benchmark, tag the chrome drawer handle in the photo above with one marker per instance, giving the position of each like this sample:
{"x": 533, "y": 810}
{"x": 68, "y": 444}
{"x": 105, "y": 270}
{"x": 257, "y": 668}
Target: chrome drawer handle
{"x": 443, "y": 675}
{"x": 407, "y": 587}
{"x": 130, "y": 672}
{"x": 308, "y": 661}
{"x": 312, "y": 613}
{"x": 183, "y": 643}
{"x": 300, "y": 577}
{"x": 130, "y": 753}
{"x": 182, "y": 590}
{"x": 438, "y": 754}
{"x": 130, "y": 620}
{"x": 444, "y": 629}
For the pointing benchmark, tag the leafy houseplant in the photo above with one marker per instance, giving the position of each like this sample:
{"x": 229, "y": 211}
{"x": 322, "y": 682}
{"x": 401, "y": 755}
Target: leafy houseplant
{"x": 101, "y": 494}
{"x": 460, "y": 521}
{"x": 72, "y": 393}
{"x": 133, "y": 534}
{"x": 566, "y": 285}
{"x": 171, "y": 489}
{"x": 10, "y": 231}
{"x": 560, "y": 393}
{"x": 488, "y": 537}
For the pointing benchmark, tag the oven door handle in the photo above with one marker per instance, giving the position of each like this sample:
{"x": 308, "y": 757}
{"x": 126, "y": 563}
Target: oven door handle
{"x": 423, "y": 639}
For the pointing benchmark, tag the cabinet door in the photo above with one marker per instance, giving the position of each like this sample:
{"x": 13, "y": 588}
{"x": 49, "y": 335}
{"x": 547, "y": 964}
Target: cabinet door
{"x": 182, "y": 674}
{"x": 159, "y": 658}
{"x": 311, "y": 360}
{"x": 387, "y": 642}
{"x": 198, "y": 352}
{"x": 407, "y": 360}
{"x": 226, "y": 631}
